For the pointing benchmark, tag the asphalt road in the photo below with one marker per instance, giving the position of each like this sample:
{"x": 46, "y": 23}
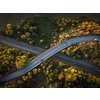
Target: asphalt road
{"x": 57, "y": 57}
{"x": 48, "y": 53}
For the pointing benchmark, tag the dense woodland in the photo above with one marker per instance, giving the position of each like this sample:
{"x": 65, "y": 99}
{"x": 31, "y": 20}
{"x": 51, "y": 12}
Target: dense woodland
{"x": 47, "y": 32}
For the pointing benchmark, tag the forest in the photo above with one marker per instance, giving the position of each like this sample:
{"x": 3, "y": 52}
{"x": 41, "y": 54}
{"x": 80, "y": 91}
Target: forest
{"x": 46, "y": 32}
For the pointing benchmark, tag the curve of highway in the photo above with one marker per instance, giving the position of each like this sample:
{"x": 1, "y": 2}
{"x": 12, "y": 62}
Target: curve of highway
{"x": 48, "y": 53}
{"x": 57, "y": 57}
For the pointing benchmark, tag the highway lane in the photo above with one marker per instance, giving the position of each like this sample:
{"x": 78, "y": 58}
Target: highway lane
{"x": 57, "y": 57}
{"x": 12, "y": 40}
{"x": 48, "y": 53}
{"x": 18, "y": 46}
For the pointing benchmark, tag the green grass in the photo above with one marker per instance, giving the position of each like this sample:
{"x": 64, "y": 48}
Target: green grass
{"x": 76, "y": 16}
{"x": 45, "y": 26}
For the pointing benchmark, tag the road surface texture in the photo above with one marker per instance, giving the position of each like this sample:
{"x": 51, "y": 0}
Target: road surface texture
{"x": 50, "y": 52}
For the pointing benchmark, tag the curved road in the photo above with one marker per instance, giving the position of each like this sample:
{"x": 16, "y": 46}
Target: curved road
{"x": 48, "y": 53}
{"x": 57, "y": 57}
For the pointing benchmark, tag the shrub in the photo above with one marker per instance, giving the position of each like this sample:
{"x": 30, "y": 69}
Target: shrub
{"x": 83, "y": 26}
{"x": 47, "y": 72}
{"x": 7, "y": 32}
{"x": 69, "y": 19}
{"x": 28, "y": 34}
{"x": 41, "y": 41}
{"x": 19, "y": 64}
{"x": 63, "y": 19}
{"x": 36, "y": 35}
{"x": 61, "y": 28}
{"x": 86, "y": 55}
{"x": 22, "y": 21}
{"x": 63, "y": 51}
{"x": 9, "y": 26}
{"x": 65, "y": 70}
{"x": 58, "y": 22}
{"x": 18, "y": 27}
{"x": 89, "y": 26}
{"x": 66, "y": 21}
{"x": 30, "y": 42}
{"x": 24, "y": 78}
{"x": 33, "y": 34}
{"x": 23, "y": 36}
{"x": 60, "y": 36}
{"x": 34, "y": 28}
{"x": 60, "y": 40}
{"x": 95, "y": 26}
{"x": 46, "y": 47}
{"x": 31, "y": 22}
{"x": 65, "y": 24}
{"x": 66, "y": 36}
{"x": 28, "y": 39}
{"x": 55, "y": 41}
{"x": 73, "y": 21}
{"x": 42, "y": 34}
{"x": 34, "y": 71}
{"x": 29, "y": 73}
{"x": 20, "y": 82}
{"x": 59, "y": 25}
{"x": 61, "y": 64}
{"x": 81, "y": 32}
{"x": 39, "y": 70}
{"x": 18, "y": 32}
{"x": 60, "y": 76}
{"x": 31, "y": 29}
{"x": 11, "y": 32}
{"x": 51, "y": 45}
{"x": 51, "y": 75}
{"x": 25, "y": 27}
{"x": 68, "y": 76}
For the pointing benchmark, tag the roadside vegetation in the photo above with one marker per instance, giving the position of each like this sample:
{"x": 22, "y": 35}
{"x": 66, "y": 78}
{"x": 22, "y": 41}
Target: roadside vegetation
{"x": 12, "y": 59}
{"x": 47, "y": 32}
{"x": 49, "y": 74}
